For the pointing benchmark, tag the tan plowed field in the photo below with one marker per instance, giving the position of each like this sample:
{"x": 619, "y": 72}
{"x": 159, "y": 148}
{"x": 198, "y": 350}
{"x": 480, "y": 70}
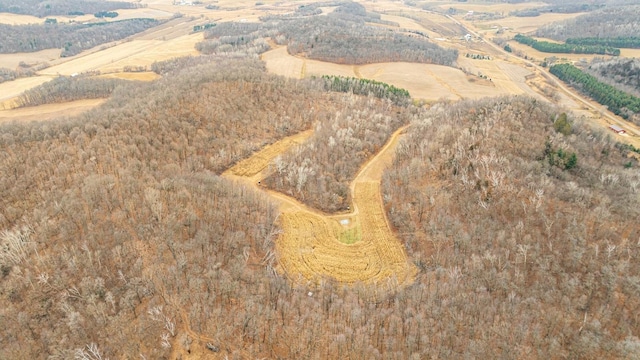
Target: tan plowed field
{"x": 310, "y": 248}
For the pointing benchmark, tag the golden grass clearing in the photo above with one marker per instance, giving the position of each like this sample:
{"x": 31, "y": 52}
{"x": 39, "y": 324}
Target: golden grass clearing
{"x": 11, "y": 89}
{"x": 630, "y": 53}
{"x": 278, "y": 61}
{"x": 11, "y": 61}
{"x": 314, "y": 246}
{"x": 424, "y": 81}
{"x": 139, "y": 76}
{"x": 181, "y": 46}
{"x": 259, "y": 161}
{"x": 49, "y": 111}
{"x": 15, "y": 19}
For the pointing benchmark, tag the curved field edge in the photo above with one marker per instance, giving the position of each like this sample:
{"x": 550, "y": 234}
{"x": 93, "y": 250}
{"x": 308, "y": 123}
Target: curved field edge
{"x": 309, "y": 247}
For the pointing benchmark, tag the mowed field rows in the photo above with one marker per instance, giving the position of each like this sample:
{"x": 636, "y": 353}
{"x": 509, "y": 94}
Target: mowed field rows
{"x": 424, "y": 81}
{"x": 48, "y": 111}
{"x": 309, "y": 248}
{"x": 11, "y": 89}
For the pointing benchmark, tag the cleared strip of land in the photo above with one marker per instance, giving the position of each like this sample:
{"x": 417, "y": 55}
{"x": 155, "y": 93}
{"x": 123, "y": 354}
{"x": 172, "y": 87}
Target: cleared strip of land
{"x": 49, "y": 111}
{"x": 310, "y": 247}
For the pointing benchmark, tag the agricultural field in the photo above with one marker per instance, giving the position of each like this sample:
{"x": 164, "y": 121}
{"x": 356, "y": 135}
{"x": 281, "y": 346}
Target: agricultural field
{"x": 49, "y": 111}
{"x": 523, "y": 25}
{"x": 11, "y": 89}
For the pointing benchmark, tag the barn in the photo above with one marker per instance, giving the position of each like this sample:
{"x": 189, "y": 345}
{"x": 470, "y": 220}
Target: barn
{"x": 617, "y": 129}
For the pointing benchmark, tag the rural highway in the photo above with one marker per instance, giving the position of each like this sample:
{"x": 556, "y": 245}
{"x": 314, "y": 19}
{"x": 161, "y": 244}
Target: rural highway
{"x": 631, "y": 128}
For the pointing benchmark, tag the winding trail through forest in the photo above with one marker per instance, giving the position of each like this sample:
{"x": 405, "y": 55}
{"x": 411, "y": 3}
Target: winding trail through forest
{"x": 310, "y": 249}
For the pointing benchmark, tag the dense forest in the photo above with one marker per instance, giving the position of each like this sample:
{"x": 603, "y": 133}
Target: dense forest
{"x": 81, "y": 200}
{"x": 567, "y": 48}
{"x": 619, "y": 102}
{"x": 42, "y": 8}
{"x": 532, "y": 260}
{"x": 608, "y": 22}
{"x": 8, "y": 74}
{"x": 343, "y": 36}
{"x": 623, "y": 73}
{"x": 71, "y": 38}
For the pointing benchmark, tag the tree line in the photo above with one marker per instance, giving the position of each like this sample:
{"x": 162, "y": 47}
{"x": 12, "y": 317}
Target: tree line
{"x": 619, "y": 102}
{"x": 608, "y": 22}
{"x": 629, "y": 42}
{"x": 71, "y": 38}
{"x": 367, "y": 87}
{"x": 319, "y": 172}
{"x": 566, "y": 48}
{"x": 66, "y": 88}
{"x": 342, "y": 36}
{"x": 9, "y": 75}
{"x": 42, "y": 8}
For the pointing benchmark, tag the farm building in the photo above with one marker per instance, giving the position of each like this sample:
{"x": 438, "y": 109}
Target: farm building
{"x": 617, "y": 129}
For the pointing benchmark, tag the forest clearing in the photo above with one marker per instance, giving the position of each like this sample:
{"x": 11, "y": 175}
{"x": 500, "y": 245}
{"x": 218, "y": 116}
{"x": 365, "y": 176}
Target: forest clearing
{"x": 309, "y": 249}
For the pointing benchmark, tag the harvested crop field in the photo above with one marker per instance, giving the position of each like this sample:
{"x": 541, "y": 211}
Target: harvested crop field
{"x": 492, "y": 7}
{"x": 49, "y": 111}
{"x": 132, "y": 53}
{"x": 11, "y": 89}
{"x": 139, "y": 76}
{"x": 424, "y": 81}
{"x": 12, "y": 61}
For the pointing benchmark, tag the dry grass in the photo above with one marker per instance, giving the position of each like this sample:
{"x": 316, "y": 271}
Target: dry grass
{"x": 156, "y": 51}
{"x": 15, "y": 19}
{"x": 424, "y": 81}
{"x": 527, "y": 24}
{"x": 11, "y": 89}
{"x": 48, "y": 111}
{"x": 259, "y": 161}
{"x": 132, "y": 53}
{"x": 491, "y": 6}
{"x": 139, "y": 76}
{"x": 229, "y": 10}
{"x": 540, "y": 56}
{"x": 11, "y": 61}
